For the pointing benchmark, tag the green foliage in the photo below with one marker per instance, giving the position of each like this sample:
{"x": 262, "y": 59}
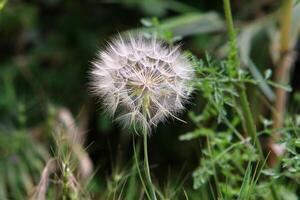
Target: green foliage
{"x": 2, "y": 4}
{"x": 46, "y": 47}
{"x": 22, "y": 160}
{"x": 291, "y": 161}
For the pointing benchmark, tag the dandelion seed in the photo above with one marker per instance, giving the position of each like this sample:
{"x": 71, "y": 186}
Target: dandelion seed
{"x": 143, "y": 81}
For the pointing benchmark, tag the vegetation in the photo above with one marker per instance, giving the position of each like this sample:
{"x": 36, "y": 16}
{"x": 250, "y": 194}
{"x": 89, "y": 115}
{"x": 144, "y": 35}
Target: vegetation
{"x": 238, "y": 137}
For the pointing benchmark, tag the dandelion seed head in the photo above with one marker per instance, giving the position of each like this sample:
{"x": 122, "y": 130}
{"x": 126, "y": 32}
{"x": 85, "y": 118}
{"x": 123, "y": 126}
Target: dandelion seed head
{"x": 142, "y": 80}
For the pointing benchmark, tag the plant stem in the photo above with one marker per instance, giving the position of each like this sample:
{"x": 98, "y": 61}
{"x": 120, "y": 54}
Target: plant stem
{"x": 138, "y": 167}
{"x": 65, "y": 189}
{"x": 284, "y": 64}
{"x": 249, "y": 124}
{"x": 248, "y": 119}
{"x": 285, "y": 26}
{"x": 229, "y": 21}
{"x": 146, "y": 165}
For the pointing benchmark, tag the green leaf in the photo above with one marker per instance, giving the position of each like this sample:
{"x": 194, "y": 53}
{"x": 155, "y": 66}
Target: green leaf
{"x": 2, "y": 4}
{"x": 195, "y": 134}
{"x": 184, "y": 25}
{"x": 268, "y": 73}
{"x": 245, "y": 45}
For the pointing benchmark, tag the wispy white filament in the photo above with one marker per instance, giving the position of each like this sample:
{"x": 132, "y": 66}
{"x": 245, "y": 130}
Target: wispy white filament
{"x": 142, "y": 80}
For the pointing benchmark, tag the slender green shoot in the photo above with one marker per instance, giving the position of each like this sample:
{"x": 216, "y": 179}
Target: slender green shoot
{"x": 139, "y": 170}
{"x": 146, "y": 165}
{"x": 249, "y": 125}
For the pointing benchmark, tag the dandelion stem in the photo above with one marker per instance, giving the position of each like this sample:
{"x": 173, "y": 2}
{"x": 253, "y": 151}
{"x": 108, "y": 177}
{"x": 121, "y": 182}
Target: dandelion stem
{"x": 138, "y": 168}
{"x": 146, "y": 165}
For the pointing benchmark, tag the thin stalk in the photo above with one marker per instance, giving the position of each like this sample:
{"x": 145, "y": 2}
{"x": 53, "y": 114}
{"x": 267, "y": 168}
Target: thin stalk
{"x": 284, "y": 64}
{"x": 214, "y": 169}
{"x": 229, "y": 21}
{"x": 65, "y": 193}
{"x": 138, "y": 168}
{"x": 274, "y": 193}
{"x": 146, "y": 165}
{"x": 249, "y": 124}
{"x": 248, "y": 119}
{"x": 285, "y": 26}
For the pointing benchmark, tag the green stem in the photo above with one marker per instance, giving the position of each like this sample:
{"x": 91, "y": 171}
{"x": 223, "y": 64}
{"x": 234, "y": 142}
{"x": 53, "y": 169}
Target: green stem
{"x": 138, "y": 168}
{"x": 248, "y": 119}
{"x": 274, "y": 192}
{"x": 147, "y": 169}
{"x": 249, "y": 124}
{"x": 65, "y": 183}
{"x": 229, "y": 21}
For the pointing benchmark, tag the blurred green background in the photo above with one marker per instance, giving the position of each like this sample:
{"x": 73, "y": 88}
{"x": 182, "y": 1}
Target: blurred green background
{"x": 46, "y": 49}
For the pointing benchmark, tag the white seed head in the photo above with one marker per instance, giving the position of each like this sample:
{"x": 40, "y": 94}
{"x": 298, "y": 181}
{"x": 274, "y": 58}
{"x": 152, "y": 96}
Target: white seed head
{"x": 142, "y": 80}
